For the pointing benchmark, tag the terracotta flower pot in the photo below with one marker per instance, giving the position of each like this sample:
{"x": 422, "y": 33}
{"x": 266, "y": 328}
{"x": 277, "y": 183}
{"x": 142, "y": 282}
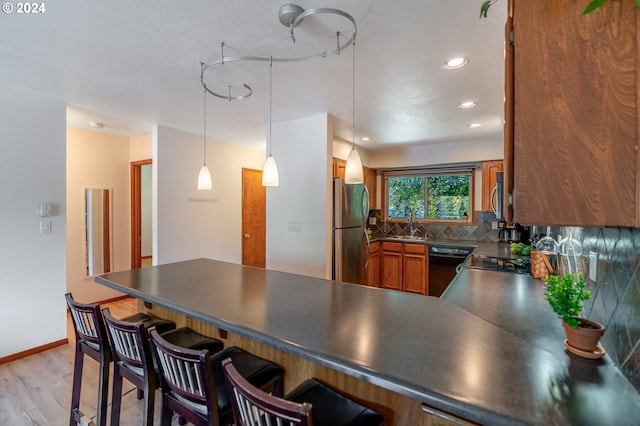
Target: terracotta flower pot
{"x": 586, "y": 336}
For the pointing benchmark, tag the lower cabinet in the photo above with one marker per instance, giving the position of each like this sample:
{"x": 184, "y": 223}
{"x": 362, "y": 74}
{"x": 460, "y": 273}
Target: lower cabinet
{"x": 373, "y": 265}
{"x": 415, "y": 268}
{"x": 391, "y": 266}
{"x": 405, "y": 267}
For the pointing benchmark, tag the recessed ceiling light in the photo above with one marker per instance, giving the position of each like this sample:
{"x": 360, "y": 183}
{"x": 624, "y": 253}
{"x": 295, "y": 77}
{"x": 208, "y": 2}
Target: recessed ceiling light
{"x": 366, "y": 139}
{"x": 96, "y": 125}
{"x": 474, "y": 125}
{"x": 467, "y": 104}
{"x": 454, "y": 63}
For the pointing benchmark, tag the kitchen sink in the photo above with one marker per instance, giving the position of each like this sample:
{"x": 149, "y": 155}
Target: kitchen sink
{"x": 406, "y": 238}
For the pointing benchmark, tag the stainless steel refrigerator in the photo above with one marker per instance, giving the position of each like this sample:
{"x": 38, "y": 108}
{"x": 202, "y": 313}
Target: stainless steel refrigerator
{"x": 350, "y": 239}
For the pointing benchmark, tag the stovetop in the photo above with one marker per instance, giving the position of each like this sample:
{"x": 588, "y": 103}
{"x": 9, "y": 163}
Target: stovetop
{"x": 518, "y": 265}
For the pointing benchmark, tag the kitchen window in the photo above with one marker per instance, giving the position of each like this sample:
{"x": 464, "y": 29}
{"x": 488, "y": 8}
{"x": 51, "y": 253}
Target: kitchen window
{"x": 442, "y": 195}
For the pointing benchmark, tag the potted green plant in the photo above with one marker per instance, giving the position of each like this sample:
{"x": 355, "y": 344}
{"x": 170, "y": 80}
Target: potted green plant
{"x": 565, "y": 294}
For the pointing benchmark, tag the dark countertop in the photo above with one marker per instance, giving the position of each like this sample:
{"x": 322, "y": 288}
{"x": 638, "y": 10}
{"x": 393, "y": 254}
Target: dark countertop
{"x": 481, "y": 248}
{"x": 470, "y": 355}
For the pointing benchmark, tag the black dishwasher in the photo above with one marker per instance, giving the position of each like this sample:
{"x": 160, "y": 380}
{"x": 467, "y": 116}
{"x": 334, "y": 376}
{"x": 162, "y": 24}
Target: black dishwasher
{"x": 443, "y": 261}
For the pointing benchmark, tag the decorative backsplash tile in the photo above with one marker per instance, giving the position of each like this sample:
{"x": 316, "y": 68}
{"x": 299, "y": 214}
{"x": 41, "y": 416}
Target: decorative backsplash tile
{"x": 480, "y": 231}
{"x": 615, "y": 294}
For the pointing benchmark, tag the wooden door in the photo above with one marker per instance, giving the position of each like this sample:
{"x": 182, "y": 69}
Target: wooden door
{"x": 391, "y": 266}
{"x": 414, "y": 268}
{"x": 370, "y": 181}
{"x": 254, "y": 218}
{"x": 136, "y": 212}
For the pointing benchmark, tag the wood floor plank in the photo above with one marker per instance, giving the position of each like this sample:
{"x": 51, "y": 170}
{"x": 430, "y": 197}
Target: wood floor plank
{"x": 36, "y": 390}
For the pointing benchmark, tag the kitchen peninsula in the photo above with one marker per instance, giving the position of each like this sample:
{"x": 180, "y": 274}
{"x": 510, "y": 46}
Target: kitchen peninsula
{"x": 425, "y": 350}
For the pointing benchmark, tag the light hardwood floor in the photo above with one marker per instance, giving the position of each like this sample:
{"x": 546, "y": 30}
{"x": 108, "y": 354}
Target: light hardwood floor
{"x": 36, "y": 390}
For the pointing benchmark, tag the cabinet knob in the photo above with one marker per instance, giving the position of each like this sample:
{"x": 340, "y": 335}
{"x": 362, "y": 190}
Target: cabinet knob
{"x": 246, "y": 236}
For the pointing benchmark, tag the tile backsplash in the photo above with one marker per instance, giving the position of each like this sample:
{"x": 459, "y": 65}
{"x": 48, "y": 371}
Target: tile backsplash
{"x": 615, "y": 294}
{"x": 480, "y": 231}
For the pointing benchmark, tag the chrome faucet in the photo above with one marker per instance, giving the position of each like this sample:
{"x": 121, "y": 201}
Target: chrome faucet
{"x": 412, "y": 230}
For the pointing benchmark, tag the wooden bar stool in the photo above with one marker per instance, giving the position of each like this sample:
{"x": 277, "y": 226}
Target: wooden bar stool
{"x": 193, "y": 384}
{"x": 92, "y": 340}
{"x": 311, "y": 403}
{"x": 133, "y": 359}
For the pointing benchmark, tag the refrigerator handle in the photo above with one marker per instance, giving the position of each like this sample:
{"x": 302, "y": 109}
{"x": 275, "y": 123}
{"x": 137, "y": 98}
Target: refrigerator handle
{"x": 368, "y": 251}
{"x": 365, "y": 204}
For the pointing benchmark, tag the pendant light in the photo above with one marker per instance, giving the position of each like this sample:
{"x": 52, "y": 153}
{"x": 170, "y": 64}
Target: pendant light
{"x": 353, "y": 173}
{"x": 270, "y": 170}
{"x": 204, "y": 177}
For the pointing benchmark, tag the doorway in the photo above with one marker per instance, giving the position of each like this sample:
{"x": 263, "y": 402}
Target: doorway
{"x": 254, "y": 218}
{"x": 141, "y": 225}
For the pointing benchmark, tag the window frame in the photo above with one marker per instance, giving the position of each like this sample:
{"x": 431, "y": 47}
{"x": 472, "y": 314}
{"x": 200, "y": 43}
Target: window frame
{"x": 427, "y": 171}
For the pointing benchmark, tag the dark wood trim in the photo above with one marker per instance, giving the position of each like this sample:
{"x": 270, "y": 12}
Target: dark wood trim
{"x": 136, "y": 212}
{"x": 33, "y": 351}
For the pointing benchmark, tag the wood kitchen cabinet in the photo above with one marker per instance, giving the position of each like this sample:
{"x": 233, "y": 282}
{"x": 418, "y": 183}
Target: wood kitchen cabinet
{"x": 370, "y": 179}
{"x": 405, "y": 267}
{"x": 571, "y": 113}
{"x": 415, "y": 268}
{"x": 373, "y": 265}
{"x": 391, "y": 266}
{"x": 339, "y": 167}
{"x": 489, "y": 170}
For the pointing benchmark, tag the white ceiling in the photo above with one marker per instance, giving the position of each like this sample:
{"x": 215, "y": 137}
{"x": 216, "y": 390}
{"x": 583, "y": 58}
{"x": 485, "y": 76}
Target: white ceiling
{"x": 132, "y": 64}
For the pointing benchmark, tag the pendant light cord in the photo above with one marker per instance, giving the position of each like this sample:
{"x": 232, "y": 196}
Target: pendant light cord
{"x": 270, "y": 84}
{"x": 204, "y": 162}
{"x": 353, "y": 98}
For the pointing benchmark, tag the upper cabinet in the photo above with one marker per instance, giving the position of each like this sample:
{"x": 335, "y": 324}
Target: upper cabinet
{"x": 489, "y": 170}
{"x": 571, "y": 113}
{"x": 370, "y": 179}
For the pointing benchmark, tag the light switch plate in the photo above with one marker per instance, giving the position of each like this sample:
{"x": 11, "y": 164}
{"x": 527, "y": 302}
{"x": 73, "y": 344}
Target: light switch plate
{"x": 45, "y": 226}
{"x": 46, "y": 210}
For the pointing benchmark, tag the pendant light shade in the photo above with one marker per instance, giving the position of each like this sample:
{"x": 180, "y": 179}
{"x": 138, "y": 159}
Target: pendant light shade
{"x": 270, "y": 173}
{"x": 204, "y": 177}
{"x": 270, "y": 170}
{"x": 353, "y": 172}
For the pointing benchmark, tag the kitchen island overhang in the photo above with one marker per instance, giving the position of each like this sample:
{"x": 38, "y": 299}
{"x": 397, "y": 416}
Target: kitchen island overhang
{"x": 421, "y": 347}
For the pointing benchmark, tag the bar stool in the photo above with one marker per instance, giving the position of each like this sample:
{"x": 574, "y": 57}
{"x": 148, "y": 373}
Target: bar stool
{"x": 193, "y": 384}
{"x": 252, "y": 406}
{"x": 92, "y": 340}
{"x": 133, "y": 359}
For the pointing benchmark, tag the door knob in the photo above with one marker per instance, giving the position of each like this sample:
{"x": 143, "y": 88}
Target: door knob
{"x": 246, "y": 236}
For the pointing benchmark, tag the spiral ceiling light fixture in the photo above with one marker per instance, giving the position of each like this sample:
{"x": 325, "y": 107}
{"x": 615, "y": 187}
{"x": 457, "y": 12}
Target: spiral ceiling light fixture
{"x": 291, "y": 16}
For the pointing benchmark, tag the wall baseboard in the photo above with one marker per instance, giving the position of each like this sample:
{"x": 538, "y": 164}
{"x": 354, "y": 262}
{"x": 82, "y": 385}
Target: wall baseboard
{"x": 32, "y": 351}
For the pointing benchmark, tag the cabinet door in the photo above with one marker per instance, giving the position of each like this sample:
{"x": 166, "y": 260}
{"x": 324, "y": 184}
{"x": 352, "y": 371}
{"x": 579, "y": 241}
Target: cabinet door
{"x": 370, "y": 181}
{"x": 373, "y": 265}
{"x": 489, "y": 170}
{"x": 414, "y": 268}
{"x": 339, "y": 167}
{"x": 391, "y": 267}
{"x": 575, "y": 114}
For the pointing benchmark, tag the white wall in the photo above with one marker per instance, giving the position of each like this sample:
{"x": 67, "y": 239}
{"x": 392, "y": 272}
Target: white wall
{"x": 302, "y": 150}
{"x": 96, "y": 160}
{"x": 186, "y": 229}
{"x": 32, "y": 171}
